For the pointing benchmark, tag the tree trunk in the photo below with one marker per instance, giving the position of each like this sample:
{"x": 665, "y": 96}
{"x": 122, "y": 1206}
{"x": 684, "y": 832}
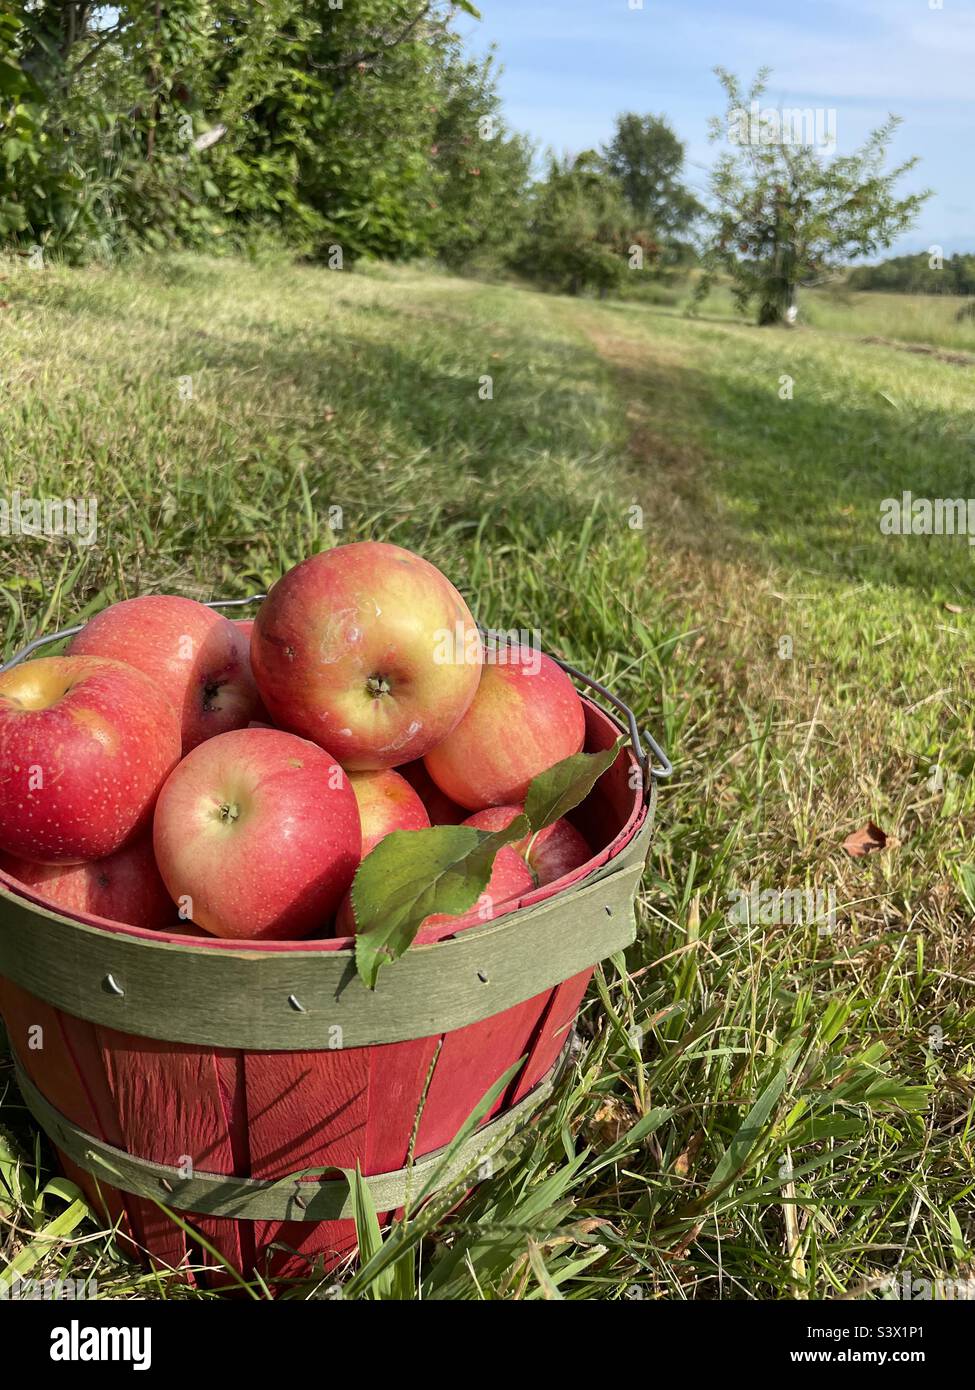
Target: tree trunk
{"x": 778, "y": 292}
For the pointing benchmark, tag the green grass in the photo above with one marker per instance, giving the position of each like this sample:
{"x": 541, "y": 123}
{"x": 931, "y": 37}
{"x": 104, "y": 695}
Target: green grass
{"x": 909, "y": 318}
{"x": 922, "y": 320}
{"x": 760, "y": 1109}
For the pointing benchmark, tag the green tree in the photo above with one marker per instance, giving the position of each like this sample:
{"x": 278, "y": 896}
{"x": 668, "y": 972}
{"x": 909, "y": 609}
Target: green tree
{"x": 647, "y": 159}
{"x": 917, "y": 275}
{"x": 787, "y": 212}
{"x": 113, "y": 91}
{"x": 483, "y": 170}
{"x": 159, "y": 122}
{"x": 579, "y": 228}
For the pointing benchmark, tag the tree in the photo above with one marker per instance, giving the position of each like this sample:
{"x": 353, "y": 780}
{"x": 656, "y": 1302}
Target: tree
{"x": 483, "y": 170}
{"x": 923, "y": 273}
{"x": 787, "y": 215}
{"x": 330, "y": 116}
{"x": 647, "y": 159}
{"x": 578, "y": 227}
{"x": 172, "y": 121}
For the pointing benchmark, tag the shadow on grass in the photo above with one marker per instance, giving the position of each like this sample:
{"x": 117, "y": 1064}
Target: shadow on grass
{"x": 799, "y": 482}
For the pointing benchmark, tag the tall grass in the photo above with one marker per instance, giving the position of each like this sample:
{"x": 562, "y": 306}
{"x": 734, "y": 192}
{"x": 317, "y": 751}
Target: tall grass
{"x": 759, "y": 1108}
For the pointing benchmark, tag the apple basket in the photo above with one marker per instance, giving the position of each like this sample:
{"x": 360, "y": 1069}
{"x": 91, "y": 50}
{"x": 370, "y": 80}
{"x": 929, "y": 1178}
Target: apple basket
{"x": 237, "y": 1086}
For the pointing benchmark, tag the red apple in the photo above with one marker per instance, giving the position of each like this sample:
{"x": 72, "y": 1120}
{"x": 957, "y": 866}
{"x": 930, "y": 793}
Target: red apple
{"x": 368, "y": 650}
{"x": 440, "y": 808}
{"x": 85, "y": 745}
{"x": 386, "y": 802}
{"x": 124, "y": 887}
{"x": 557, "y": 850}
{"x": 260, "y": 717}
{"x": 198, "y": 658}
{"x": 257, "y": 835}
{"x": 526, "y": 716}
{"x": 510, "y": 878}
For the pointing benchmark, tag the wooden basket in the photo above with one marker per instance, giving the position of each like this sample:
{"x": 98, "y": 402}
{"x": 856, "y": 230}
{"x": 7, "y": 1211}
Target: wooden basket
{"x": 206, "y": 1076}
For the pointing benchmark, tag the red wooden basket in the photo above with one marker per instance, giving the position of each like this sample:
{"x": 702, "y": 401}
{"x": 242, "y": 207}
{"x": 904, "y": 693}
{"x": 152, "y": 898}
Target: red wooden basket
{"x": 188, "y": 1073}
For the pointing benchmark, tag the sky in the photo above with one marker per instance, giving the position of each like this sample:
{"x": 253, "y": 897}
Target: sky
{"x": 570, "y": 66}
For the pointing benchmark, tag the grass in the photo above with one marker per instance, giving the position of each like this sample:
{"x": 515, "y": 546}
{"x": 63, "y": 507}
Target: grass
{"x": 916, "y": 320}
{"x": 761, "y": 1108}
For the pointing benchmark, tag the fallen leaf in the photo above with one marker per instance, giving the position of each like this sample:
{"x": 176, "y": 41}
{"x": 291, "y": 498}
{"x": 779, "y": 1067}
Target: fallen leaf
{"x": 593, "y": 1223}
{"x": 4, "y": 303}
{"x": 329, "y": 414}
{"x": 863, "y": 841}
{"x": 954, "y": 608}
{"x": 611, "y": 1121}
{"x": 683, "y": 1161}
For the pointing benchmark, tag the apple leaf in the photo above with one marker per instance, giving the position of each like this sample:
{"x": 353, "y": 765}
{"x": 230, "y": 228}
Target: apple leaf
{"x": 554, "y": 792}
{"x": 413, "y": 873}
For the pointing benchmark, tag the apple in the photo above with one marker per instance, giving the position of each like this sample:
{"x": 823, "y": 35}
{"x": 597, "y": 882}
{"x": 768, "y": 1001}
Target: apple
{"x": 124, "y": 887}
{"x": 556, "y": 850}
{"x": 386, "y": 802}
{"x": 85, "y": 745}
{"x": 369, "y": 651}
{"x": 510, "y": 878}
{"x": 525, "y": 716}
{"x": 198, "y": 658}
{"x": 257, "y": 835}
{"x": 440, "y": 808}
{"x": 260, "y": 715}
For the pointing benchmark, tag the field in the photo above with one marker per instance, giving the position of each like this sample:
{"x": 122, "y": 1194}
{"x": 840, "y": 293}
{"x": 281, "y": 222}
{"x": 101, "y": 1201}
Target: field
{"x": 918, "y": 323}
{"x": 690, "y": 510}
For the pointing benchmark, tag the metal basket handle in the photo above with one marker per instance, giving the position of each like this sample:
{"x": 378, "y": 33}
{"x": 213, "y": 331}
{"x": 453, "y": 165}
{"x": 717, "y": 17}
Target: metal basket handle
{"x": 644, "y": 744}
{"x": 52, "y": 637}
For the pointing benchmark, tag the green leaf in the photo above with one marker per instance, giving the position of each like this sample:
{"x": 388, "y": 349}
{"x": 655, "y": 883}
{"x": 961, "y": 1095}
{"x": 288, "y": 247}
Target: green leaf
{"x": 959, "y": 1246}
{"x": 554, "y": 792}
{"x": 15, "y": 1179}
{"x": 404, "y": 1235}
{"x": 413, "y": 873}
{"x": 40, "y": 1247}
{"x": 735, "y": 1158}
{"x": 369, "y": 1234}
{"x": 12, "y": 79}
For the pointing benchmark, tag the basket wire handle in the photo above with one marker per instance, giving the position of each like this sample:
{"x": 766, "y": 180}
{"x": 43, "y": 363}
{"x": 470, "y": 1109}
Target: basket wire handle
{"x": 644, "y": 744}
{"x": 51, "y": 637}
{"x": 664, "y": 767}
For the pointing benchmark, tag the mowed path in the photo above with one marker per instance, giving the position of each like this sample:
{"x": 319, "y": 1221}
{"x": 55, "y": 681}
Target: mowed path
{"x": 813, "y": 687}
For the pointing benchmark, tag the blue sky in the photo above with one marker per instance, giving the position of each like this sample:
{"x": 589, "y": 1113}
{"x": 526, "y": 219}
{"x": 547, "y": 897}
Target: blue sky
{"x": 571, "y": 65}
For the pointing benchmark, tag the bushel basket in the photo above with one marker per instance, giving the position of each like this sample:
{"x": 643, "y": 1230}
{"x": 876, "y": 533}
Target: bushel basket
{"x": 207, "y": 1077}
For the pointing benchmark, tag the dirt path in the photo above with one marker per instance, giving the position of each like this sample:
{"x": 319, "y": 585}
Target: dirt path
{"x": 957, "y": 359}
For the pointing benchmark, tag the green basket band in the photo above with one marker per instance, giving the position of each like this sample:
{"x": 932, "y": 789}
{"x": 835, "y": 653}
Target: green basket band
{"x": 285, "y": 1199}
{"x": 268, "y": 1001}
